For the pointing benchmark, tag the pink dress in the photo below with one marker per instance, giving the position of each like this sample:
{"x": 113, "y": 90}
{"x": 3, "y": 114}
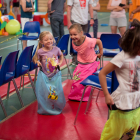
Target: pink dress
{"x": 86, "y": 54}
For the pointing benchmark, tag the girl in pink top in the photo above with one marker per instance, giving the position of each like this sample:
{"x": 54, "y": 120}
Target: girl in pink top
{"x": 86, "y": 57}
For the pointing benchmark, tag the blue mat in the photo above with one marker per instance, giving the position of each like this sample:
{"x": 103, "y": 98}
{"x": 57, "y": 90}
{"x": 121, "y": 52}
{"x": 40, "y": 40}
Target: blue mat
{"x": 104, "y": 24}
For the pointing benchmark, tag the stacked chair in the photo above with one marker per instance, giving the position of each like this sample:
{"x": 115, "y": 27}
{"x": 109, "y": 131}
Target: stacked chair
{"x": 12, "y": 69}
{"x": 7, "y": 73}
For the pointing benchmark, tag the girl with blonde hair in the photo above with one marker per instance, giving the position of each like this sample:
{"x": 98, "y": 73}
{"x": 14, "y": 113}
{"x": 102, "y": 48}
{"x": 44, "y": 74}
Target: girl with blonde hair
{"x": 49, "y": 89}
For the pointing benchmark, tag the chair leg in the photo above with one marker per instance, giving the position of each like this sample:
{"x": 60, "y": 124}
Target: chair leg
{"x": 89, "y": 100}
{"x": 23, "y": 82}
{"x": 17, "y": 44}
{"x": 80, "y": 105}
{"x": 31, "y": 83}
{"x": 20, "y": 83}
{"x": 8, "y": 90}
{"x": 18, "y": 94}
{"x": 68, "y": 67}
{"x": 97, "y": 96}
{"x": 3, "y": 108}
{"x": 35, "y": 75}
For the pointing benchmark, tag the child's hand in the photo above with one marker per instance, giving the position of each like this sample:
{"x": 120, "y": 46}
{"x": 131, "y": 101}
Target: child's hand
{"x": 109, "y": 100}
{"x": 59, "y": 64}
{"x": 99, "y": 55}
{"x": 38, "y": 63}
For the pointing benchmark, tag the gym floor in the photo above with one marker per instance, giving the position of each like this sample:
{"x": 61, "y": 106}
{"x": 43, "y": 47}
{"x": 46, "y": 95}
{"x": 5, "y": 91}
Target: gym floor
{"x": 38, "y": 126}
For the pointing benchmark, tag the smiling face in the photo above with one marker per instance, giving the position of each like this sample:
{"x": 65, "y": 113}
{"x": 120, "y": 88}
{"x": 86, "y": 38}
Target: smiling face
{"x": 47, "y": 41}
{"x": 75, "y": 35}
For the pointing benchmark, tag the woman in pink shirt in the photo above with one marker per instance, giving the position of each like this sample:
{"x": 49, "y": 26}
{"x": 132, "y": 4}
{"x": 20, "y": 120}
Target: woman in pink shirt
{"x": 86, "y": 57}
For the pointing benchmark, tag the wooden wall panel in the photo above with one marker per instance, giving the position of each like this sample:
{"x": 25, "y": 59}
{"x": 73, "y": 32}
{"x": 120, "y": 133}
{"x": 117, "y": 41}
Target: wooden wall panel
{"x": 42, "y": 5}
{"x": 103, "y": 5}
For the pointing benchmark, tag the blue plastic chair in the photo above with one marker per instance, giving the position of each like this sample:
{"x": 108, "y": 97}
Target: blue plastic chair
{"x": 63, "y": 45}
{"x": 23, "y": 64}
{"x": 33, "y": 65}
{"x": 93, "y": 81}
{"x": 97, "y": 73}
{"x": 0, "y": 59}
{"x": 110, "y": 42}
{"x": 30, "y": 27}
{"x": 56, "y": 38}
{"x": 88, "y": 35}
{"x": 7, "y": 73}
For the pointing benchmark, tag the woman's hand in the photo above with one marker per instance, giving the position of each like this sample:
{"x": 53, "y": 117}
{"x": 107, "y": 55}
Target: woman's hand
{"x": 109, "y": 100}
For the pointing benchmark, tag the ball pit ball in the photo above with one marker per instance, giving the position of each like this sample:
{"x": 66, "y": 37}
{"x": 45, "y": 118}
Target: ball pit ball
{"x": 12, "y": 27}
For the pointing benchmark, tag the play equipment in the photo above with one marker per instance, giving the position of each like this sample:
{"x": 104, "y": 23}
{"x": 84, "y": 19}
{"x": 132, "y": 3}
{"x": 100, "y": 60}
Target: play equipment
{"x": 11, "y": 13}
{"x": 1, "y": 21}
{"x": 8, "y": 23}
{"x": 9, "y": 17}
{"x": 46, "y": 18}
{"x": 38, "y": 18}
{"x": 12, "y": 27}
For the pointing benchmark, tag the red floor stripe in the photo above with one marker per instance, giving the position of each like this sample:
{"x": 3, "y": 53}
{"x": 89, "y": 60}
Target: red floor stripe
{"x": 3, "y": 89}
{"x": 28, "y": 125}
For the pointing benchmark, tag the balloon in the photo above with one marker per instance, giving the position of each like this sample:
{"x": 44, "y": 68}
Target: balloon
{"x": 12, "y": 27}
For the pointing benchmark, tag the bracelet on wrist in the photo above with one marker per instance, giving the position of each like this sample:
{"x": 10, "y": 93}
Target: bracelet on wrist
{"x": 132, "y": 12}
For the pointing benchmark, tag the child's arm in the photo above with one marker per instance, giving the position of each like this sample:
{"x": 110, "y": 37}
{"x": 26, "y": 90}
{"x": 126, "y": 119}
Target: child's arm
{"x": 99, "y": 43}
{"x": 38, "y": 63}
{"x": 60, "y": 59}
{"x": 102, "y": 77}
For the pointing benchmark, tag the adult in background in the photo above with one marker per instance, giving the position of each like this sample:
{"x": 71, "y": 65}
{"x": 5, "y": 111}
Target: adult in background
{"x": 27, "y": 8}
{"x": 77, "y": 12}
{"x": 95, "y": 7}
{"x": 134, "y": 10}
{"x": 15, "y": 4}
{"x": 117, "y": 16}
{"x": 56, "y": 8}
